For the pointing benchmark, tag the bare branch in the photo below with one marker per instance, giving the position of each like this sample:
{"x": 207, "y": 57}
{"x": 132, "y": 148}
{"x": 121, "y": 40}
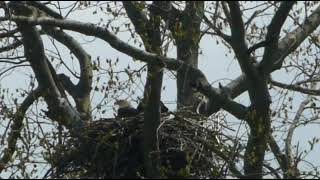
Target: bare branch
{"x": 293, "y": 39}
{"x": 281, "y": 158}
{"x": 226, "y": 11}
{"x": 237, "y": 25}
{"x": 288, "y": 148}
{"x": 238, "y": 40}
{"x": 34, "y": 53}
{"x": 10, "y": 46}
{"x": 218, "y": 32}
{"x": 16, "y": 127}
{"x": 170, "y": 63}
{"x": 81, "y": 54}
{"x": 274, "y": 32}
{"x": 45, "y": 9}
{"x": 136, "y": 14}
{"x": 297, "y": 88}
{"x": 8, "y": 34}
{"x": 296, "y": 37}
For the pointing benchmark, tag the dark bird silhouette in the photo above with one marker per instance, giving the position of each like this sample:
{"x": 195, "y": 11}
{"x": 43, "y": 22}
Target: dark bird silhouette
{"x": 141, "y": 105}
{"x": 125, "y": 109}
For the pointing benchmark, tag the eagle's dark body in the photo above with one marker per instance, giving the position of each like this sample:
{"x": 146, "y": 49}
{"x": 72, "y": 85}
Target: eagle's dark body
{"x": 164, "y": 109}
{"x": 126, "y": 110}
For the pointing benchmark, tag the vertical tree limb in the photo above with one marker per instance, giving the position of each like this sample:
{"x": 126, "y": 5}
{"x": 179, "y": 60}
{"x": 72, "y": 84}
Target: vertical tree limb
{"x": 16, "y": 127}
{"x": 149, "y": 31}
{"x": 34, "y": 53}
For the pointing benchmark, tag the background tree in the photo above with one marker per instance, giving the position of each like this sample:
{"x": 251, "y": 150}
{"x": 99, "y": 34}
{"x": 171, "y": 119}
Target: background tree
{"x": 269, "y": 41}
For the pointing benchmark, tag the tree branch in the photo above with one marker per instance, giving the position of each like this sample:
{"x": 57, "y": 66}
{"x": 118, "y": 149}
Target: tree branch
{"x": 150, "y": 58}
{"x": 8, "y": 34}
{"x": 237, "y": 25}
{"x": 281, "y": 158}
{"x": 226, "y": 11}
{"x": 80, "y": 92}
{"x": 296, "y": 37}
{"x": 219, "y": 33}
{"x": 81, "y": 54}
{"x": 10, "y": 46}
{"x": 16, "y": 127}
{"x": 292, "y": 40}
{"x": 237, "y": 86}
{"x": 238, "y": 40}
{"x": 149, "y": 31}
{"x": 273, "y": 33}
{"x": 34, "y": 52}
{"x": 292, "y": 170}
{"x": 45, "y": 9}
{"x": 297, "y": 88}
{"x": 136, "y": 15}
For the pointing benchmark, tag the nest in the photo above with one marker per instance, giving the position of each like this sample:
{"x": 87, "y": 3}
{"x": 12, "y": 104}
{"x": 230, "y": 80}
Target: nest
{"x": 112, "y": 148}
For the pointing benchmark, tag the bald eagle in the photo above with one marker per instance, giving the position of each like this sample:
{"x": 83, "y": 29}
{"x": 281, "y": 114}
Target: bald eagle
{"x": 162, "y": 106}
{"x": 125, "y": 109}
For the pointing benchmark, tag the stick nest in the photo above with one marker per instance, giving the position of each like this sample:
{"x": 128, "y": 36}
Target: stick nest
{"x": 112, "y": 148}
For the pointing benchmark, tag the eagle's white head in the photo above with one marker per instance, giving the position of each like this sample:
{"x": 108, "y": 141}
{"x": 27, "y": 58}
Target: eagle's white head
{"x": 122, "y": 103}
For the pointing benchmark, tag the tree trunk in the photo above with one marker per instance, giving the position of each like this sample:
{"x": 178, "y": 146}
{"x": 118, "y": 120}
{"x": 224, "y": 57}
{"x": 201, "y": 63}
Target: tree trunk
{"x": 187, "y": 36}
{"x": 260, "y": 126}
{"x": 189, "y": 54}
{"x": 149, "y": 31}
{"x": 152, "y": 121}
